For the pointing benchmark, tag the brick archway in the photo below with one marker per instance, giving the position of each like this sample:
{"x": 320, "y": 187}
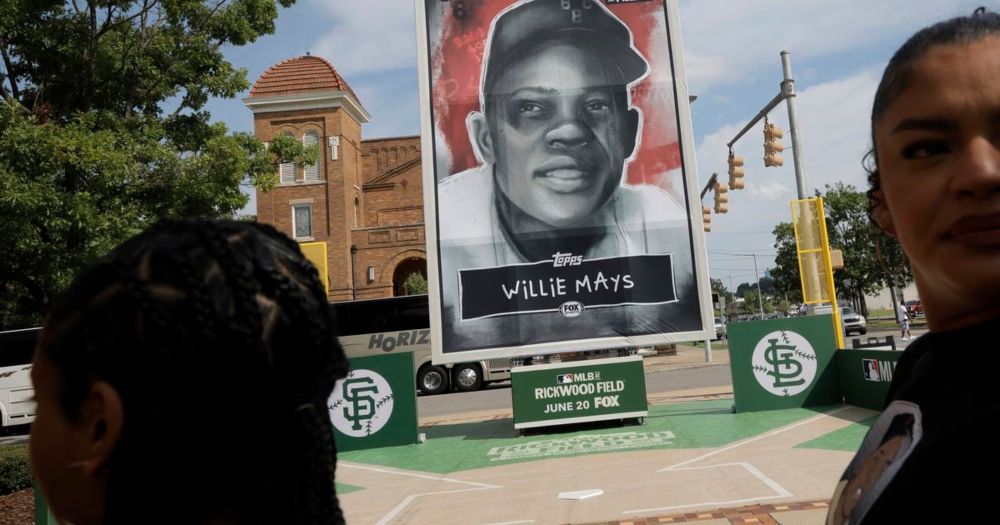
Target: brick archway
{"x": 404, "y": 269}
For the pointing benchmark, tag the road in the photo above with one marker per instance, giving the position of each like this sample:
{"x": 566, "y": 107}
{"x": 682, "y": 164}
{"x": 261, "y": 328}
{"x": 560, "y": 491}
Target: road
{"x": 881, "y": 334}
{"x": 498, "y": 396}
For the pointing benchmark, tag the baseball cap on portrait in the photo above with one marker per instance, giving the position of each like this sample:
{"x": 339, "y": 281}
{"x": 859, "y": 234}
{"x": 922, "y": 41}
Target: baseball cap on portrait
{"x": 532, "y": 23}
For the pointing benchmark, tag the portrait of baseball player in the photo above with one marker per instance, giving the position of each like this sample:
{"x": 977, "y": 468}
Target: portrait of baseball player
{"x": 554, "y": 134}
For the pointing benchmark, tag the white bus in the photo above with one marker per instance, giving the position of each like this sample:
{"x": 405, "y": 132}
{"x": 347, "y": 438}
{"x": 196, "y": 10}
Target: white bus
{"x": 17, "y": 396}
{"x": 402, "y": 324}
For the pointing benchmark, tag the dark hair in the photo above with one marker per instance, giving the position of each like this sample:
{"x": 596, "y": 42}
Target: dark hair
{"x": 220, "y": 340}
{"x": 896, "y": 78}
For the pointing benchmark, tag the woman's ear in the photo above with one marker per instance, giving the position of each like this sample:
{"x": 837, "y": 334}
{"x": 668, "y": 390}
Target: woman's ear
{"x": 880, "y": 212}
{"x": 102, "y": 415}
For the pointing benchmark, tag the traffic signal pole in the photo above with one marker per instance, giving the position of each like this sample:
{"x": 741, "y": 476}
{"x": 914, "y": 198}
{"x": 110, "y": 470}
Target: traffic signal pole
{"x": 787, "y": 94}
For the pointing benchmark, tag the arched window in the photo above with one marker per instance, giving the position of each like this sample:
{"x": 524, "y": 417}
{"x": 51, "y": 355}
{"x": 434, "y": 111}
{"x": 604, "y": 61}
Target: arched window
{"x": 287, "y": 170}
{"x": 311, "y": 171}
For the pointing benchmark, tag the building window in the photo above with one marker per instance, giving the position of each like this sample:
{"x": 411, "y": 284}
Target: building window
{"x": 357, "y": 212}
{"x": 302, "y": 221}
{"x": 287, "y": 170}
{"x": 334, "y": 143}
{"x": 311, "y": 171}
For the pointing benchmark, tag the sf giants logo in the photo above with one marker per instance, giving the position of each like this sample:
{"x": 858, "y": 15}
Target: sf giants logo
{"x": 359, "y": 392}
{"x": 566, "y": 259}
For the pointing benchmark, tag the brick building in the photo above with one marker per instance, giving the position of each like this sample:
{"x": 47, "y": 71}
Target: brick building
{"x": 363, "y": 200}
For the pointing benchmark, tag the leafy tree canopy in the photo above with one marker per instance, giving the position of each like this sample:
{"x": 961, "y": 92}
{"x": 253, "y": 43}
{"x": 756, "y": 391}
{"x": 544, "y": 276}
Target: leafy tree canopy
{"x": 103, "y": 130}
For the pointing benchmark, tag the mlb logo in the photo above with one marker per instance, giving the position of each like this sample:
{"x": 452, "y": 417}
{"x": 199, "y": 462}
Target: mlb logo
{"x": 871, "y": 370}
{"x": 565, "y": 378}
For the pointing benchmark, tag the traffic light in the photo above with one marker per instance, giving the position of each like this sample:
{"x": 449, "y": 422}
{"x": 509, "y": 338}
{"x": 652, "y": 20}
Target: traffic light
{"x": 735, "y": 171}
{"x": 721, "y": 197}
{"x": 706, "y": 218}
{"x": 772, "y": 145}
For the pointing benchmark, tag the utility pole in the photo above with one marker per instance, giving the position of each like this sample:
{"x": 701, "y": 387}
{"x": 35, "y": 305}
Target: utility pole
{"x": 760, "y": 299}
{"x": 788, "y": 92}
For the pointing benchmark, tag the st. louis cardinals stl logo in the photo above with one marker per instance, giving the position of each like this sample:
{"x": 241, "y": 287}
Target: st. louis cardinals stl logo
{"x": 361, "y": 403}
{"x": 784, "y": 363}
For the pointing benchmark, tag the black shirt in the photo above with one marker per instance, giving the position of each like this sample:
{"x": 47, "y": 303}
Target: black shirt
{"x": 950, "y": 470}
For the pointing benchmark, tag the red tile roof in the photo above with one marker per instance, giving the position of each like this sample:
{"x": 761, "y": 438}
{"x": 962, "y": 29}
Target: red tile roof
{"x": 304, "y": 74}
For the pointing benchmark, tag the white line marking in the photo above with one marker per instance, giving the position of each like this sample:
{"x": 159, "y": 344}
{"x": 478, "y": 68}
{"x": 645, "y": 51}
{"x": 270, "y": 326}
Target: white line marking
{"x": 409, "y": 499}
{"x": 756, "y": 438}
{"x": 415, "y": 475}
{"x": 775, "y": 486}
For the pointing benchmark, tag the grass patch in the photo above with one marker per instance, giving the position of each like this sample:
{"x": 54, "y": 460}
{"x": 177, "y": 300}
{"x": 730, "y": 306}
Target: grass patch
{"x": 344, "y": 488}
{"x": 468, "y": 446}
{"x": 15, "y": 469}
{"x": 847, "y": 439}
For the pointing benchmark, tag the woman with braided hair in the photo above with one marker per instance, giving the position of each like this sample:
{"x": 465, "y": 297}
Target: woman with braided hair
{"x": 183, "y": 378}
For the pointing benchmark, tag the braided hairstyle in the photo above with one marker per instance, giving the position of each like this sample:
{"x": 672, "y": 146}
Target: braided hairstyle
{"x": 898, "y": 74}
{"x": 220, "y": 341}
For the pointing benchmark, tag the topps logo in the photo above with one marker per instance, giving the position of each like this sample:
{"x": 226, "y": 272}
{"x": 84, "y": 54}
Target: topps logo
{"x": 566, "y": 259}
{"x": 571, "y": 308}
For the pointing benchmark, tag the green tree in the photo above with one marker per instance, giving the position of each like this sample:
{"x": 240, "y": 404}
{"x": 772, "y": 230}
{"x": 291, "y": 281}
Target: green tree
{"x": 851, "y": 231}
{"x": 415, "y": 284}
{"x": 103, "y": 130}
{"x": 784, "y": 306}
{"x": 787, "y": 282}
{"x": 754, "y": 305}
{"x": 871, "y": 259}
{"x": 719, "y": 288}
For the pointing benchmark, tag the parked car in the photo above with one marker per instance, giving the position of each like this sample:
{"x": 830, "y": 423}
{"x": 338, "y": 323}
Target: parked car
{"x": 914, "y": 308}
{"x": 853, "y": 321}
{"x": 720, "y": 329}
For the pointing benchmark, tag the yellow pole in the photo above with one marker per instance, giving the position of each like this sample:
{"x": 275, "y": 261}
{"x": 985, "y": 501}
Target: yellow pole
{"x": 828, "y": 264}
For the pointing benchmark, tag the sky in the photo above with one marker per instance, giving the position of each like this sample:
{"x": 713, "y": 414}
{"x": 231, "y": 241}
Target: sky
{"x": 731, "y": 54}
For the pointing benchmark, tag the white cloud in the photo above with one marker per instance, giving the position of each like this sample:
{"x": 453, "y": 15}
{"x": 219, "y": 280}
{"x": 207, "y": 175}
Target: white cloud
{"x": 769, "y": 190}
{"x": 368, "y": 36}
{"x": 730, "y": 41}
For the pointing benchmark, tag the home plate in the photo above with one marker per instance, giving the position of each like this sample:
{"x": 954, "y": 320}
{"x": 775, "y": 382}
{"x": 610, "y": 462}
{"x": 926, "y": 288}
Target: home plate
{"x": 580, "y": 494}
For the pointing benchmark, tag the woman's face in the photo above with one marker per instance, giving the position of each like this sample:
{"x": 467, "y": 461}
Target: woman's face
{"x": 938, "y": 153}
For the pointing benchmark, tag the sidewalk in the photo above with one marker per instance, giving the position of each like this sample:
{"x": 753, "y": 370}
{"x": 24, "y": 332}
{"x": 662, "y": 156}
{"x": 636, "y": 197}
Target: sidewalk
{"x": 687, "y": 357}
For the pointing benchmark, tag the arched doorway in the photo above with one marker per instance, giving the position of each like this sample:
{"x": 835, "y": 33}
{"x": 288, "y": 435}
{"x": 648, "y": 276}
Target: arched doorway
{"x": 406, "y": 268}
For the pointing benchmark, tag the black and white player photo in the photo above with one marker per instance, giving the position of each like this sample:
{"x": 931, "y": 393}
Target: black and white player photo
{"x": 545, "y": 240}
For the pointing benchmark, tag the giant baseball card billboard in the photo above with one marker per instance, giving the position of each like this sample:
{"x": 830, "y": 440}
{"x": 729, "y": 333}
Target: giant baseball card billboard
{"x": 560, "y": 188}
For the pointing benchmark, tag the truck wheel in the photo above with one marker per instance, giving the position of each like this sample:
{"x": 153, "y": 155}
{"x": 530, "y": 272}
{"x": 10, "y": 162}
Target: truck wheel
{"x": 468, "y": 377}
{"x": 432, "y": 379}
